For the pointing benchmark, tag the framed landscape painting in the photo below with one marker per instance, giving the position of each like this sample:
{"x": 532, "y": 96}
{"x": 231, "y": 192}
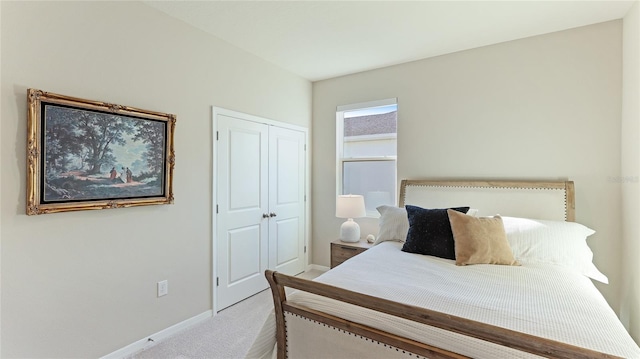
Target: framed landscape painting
{"x": 84, "y": 154}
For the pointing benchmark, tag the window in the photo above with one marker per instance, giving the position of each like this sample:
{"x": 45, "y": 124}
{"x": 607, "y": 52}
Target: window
{"x": 367, "y": 152}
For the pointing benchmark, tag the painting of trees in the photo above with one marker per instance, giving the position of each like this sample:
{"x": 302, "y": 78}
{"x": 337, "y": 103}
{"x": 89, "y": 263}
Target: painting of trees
{"x": 152, "y": 134}
{"x": 81, "y": 153}
{"x": 84, "y": 154}
{"x": 85, "y": 136}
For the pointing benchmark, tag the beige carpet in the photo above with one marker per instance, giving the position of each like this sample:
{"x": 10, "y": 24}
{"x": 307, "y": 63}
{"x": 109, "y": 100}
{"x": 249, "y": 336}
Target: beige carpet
{"x": 228, "y": 335}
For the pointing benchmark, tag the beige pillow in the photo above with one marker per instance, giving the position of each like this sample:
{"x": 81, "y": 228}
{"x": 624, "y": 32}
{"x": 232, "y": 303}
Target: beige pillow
{"x": 480, "y": 240}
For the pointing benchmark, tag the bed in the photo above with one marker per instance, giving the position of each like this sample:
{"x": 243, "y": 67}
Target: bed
{"x": 387, "y": 303}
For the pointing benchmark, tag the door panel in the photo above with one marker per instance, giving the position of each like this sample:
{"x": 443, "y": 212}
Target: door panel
{"x": 288, "y": 241}
{"x": 244, "y": 254}
{"x": 242, "y": 250}
{"x": 286, "y": 200}
{"x": 245, "y": 175}
{"x": 288, "y": 173}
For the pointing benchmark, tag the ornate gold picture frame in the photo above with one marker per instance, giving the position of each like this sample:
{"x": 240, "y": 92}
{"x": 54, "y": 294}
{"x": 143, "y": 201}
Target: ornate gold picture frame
{"x": 84, "y": 154}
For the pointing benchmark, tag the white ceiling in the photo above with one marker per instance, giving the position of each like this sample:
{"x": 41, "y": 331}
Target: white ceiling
{"x": 324, "y": 39}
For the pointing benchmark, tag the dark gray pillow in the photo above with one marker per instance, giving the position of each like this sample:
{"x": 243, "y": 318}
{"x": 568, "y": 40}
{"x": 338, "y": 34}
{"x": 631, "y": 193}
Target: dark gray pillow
{"x": 430, "y": 232}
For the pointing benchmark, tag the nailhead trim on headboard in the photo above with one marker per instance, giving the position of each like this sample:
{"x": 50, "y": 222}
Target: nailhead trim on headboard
{"x": 567, "y": 187}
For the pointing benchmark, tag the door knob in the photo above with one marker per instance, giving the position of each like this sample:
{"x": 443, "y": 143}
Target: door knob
{"x": 264, "y": 215}
{"x": 272, "y": 214}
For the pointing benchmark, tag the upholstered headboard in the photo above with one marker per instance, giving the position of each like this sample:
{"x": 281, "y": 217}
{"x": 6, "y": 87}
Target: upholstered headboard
{"x": 553, "y": 200}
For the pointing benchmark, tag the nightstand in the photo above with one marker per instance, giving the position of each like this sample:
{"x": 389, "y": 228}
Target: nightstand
{"x": 341, "y": 251}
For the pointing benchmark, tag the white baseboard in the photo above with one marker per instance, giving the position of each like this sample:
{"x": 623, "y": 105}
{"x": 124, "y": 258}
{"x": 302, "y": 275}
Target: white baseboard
{"x": 153, "y": 339}
{"x": 317, "y": 267}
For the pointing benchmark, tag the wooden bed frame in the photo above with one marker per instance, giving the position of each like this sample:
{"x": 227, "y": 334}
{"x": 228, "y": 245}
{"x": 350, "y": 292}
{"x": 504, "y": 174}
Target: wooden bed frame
{"x": 501, "y": 336}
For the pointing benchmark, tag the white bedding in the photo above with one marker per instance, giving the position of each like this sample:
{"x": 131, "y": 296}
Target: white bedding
{"x": 542, "y": 300}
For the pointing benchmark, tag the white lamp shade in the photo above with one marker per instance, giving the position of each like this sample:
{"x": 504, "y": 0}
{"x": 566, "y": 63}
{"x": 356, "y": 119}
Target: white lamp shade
{"x": 350, "y": 206}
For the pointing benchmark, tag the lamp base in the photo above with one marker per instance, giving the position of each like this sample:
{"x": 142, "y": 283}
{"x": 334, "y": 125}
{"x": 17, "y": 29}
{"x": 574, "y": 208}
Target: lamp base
{"x": 350, "y": 231}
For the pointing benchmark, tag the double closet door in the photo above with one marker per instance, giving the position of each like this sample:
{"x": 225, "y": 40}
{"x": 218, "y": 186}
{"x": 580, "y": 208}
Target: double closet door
{"x": 260, "y": 205}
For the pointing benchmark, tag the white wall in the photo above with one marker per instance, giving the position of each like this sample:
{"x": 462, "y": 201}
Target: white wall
{"x": 0, "y": 194}
{"x": 545, "y": 107}
{"x": 83, "y": 284}
{"x": 630, "y": 150}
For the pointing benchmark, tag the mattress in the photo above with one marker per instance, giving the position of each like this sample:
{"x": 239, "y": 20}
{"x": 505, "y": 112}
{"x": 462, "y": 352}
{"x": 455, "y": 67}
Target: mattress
{"x": 542, "y": 300}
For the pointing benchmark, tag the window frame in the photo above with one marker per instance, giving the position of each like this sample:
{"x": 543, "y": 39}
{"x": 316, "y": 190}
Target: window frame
{"x": 340, "y": 140}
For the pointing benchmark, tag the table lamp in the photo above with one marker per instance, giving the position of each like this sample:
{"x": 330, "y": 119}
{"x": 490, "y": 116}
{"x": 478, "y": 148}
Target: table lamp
{"x": 350, "y": 206}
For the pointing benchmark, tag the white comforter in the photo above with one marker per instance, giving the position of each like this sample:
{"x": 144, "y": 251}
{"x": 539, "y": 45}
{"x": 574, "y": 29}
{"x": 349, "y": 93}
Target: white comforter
{"x": 545, "y": 301}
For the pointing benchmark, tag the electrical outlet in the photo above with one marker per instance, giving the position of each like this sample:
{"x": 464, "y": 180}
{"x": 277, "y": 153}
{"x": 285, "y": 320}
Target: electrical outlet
{"x": 163, "y": 288}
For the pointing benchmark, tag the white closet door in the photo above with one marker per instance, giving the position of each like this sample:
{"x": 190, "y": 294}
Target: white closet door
{"x": 286, "y": 200}
{"x": 242, "y": 200}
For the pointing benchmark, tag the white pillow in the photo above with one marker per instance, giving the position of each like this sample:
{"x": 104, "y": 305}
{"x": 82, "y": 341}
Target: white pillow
{"x": 394, "y": 224}
{"x": 554, "y": 242}
{"x": 472, "y": 212}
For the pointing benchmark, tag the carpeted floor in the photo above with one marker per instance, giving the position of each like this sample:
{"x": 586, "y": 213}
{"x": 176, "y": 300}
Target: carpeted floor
{"x": 228, "y": 335}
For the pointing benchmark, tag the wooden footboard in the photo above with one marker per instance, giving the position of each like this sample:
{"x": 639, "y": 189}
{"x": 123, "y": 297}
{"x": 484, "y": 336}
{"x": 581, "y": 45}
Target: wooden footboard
{"x": 501, "y": 336}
